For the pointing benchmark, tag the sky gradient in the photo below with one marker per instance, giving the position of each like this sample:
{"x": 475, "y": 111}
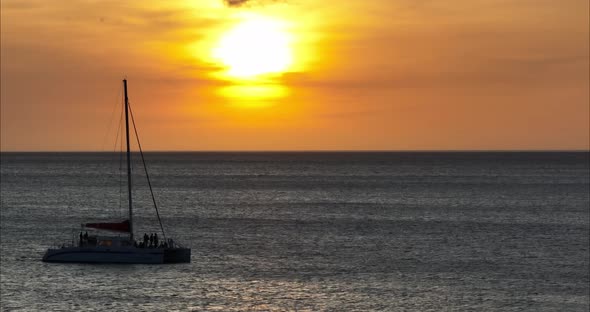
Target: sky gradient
{"x": 364, "y": 75}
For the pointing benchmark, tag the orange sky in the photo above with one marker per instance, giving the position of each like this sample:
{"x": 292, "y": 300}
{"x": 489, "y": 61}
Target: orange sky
{"x": 362, "y": 75}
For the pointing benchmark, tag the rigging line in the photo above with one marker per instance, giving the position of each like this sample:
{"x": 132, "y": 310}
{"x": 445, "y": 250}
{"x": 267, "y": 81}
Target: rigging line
{"x": 120, "y": 163}
{"x": 118, "y": 132}
{"x": 104, "y": 141}
{"x": 118, "y": 137}
{"x": 116, "y": 169}
{"x": 146, "y": 171}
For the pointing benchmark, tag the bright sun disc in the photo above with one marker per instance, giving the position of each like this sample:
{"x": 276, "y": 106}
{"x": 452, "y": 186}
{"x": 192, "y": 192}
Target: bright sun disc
{"x": 256, "y": 46}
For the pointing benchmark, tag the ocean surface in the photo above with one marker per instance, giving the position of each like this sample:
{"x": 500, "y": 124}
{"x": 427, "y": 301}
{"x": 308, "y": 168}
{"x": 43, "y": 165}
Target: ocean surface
{"x": 307, "y": 231}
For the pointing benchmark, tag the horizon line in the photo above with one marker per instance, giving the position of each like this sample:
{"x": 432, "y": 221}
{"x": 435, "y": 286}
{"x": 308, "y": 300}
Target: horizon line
{"x": 319, "y": 151}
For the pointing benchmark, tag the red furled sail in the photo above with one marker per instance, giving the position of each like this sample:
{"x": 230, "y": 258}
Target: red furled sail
{"x": 116, "y": 226}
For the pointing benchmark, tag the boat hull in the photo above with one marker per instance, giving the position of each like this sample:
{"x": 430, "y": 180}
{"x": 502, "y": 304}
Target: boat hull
{"x": 123, "y": 255}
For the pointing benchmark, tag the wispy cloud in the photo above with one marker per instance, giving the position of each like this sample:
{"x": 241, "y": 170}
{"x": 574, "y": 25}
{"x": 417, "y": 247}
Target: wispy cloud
{"x": 242, "y": 3}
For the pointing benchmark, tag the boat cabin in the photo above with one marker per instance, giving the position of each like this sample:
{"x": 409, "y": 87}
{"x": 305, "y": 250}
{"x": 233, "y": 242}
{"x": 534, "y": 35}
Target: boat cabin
{"x": 105, "y": 241}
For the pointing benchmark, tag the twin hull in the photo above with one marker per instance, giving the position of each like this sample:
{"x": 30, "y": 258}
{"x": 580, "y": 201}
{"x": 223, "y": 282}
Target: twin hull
{"x": 128, "y": 255}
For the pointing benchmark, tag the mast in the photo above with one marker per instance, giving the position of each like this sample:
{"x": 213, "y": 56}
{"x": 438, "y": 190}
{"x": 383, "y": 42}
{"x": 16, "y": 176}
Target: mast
{"x": 128, "y": 161}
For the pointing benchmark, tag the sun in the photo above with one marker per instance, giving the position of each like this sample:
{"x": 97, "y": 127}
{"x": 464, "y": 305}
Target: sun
{"x": 254, "y": 47}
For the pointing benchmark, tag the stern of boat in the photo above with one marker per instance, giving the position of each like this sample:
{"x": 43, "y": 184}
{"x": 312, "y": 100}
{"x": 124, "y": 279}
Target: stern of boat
{"x": 177, "y": 255}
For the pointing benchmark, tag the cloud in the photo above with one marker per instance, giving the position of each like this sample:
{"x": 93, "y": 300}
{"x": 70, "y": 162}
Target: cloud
{"x": 233, "y": 3}
{"x": 240, "y": 3}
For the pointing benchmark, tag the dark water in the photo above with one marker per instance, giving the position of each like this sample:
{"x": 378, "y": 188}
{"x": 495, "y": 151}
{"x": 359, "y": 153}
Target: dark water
{"x": 309, "y": 232}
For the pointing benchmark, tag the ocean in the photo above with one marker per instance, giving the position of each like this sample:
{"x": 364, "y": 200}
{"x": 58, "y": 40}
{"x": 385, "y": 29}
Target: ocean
{"x": 341, "y": 231}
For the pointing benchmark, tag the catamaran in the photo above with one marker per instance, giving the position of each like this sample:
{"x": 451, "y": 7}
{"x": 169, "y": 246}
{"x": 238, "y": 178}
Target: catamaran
{"x": 105, "y": 248}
